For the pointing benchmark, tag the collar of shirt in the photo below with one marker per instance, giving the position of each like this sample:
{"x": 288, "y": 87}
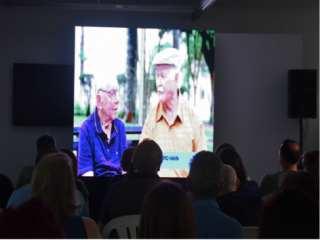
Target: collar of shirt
{"x": 162, "y": 112}
{"x": 205, "y": 203}
{"x": 144, "y": 175}
{"x": 98, "y": 126}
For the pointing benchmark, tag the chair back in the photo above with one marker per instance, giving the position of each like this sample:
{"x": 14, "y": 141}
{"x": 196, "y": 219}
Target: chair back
{"x": 126, "y": 226}
{"x": 251, "y": 232}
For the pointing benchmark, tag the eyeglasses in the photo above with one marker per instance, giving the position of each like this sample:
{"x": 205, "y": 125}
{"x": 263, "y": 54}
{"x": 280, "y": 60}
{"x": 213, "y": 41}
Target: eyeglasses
{"x": 112, "y": 94}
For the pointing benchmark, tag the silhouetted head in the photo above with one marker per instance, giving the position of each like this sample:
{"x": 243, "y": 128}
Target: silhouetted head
{"x": 230, "y": 157}
{"x": 147, "y": 157}
{"x": 223, "y": 146}
{"x": 301, "y": 180}
{"x": 289, "y": 152}
{"x": 290, "y": 214}
{"x": 167, "y": 213}
{"x": 46, "y": 142}
{"x": 205, "y": 179}
{"x": 311, "y": 162}
{"x": 31, "y": 219}
{"x": 53, "y": 181}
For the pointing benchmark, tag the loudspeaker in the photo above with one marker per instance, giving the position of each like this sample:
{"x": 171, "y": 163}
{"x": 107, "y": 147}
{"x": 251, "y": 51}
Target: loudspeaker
{"x": 302, "y": 93}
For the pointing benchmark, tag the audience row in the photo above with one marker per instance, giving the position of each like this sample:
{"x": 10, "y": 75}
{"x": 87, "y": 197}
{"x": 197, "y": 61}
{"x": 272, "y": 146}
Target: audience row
{"x": 220, "y": 201}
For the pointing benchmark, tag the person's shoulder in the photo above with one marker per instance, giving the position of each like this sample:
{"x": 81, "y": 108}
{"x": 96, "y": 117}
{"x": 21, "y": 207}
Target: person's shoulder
{"x": 188, "y": 110}
{"x": 91, "y": 228}
{"x": 88, "y": 122}
{"x": 119, "y": 124}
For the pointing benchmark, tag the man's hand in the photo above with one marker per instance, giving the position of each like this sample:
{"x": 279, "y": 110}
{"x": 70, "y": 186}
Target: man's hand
{"x": 87, "y": 174}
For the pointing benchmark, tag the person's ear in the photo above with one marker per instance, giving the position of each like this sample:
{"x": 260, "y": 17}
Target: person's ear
{"x": 220, "y": 187}
{"x": 188, "y": 184}
{"x": 98, "y": 98}
{"x": 238, "y": 183}
{"x": 176, "y": 78}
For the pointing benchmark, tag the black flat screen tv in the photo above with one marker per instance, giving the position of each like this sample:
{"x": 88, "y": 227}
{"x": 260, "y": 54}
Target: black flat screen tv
{"x": 42, "y": 94}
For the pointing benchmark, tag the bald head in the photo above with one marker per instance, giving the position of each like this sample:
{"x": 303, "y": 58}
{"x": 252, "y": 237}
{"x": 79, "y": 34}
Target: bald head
{"x": 290, "y": 152}
{"x": 230, "y": 180}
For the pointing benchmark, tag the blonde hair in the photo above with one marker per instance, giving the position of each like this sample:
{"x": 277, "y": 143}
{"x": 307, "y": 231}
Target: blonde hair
{"x": 53, "y": 181}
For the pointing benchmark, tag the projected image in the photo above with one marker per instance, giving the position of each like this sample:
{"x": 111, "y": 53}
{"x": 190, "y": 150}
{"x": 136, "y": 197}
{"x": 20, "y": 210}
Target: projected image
{"x": 137, "y": 84}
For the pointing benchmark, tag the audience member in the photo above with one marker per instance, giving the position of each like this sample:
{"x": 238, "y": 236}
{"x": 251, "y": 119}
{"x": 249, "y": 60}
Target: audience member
{"x": 22, "y": 194}
{"x": 242, "y": 207}
{"x": 310, "y": 162}
{"x": 45, "y": 143}
{"x": 126, "y": 197}
{"x": 167, "y": 213}
{"x": 6, "y": 189}
{"x": 79, "y": 184}
{"x": 223, "y": 146}
{"x": 290, "y": 213}
{"x": 301, "y": 180}
{"x": 205, "y": 182}
{"x": 230, "y": 157}
{"x": 32, "y": 219}
{"x": 289, "y": 156}
{"x": 126, "y": 166}
{"x": 53, "y": 181}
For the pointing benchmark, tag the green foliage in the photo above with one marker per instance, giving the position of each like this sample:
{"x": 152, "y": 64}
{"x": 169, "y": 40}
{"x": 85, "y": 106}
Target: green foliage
{"x": 121, "y": 114}
{"x": 81, "y": 55}
{"x": 121, "y": 79}
{"x": 183, "y": 89}
{"x": 83, "y": 77}
{"x": 78, "y": 110}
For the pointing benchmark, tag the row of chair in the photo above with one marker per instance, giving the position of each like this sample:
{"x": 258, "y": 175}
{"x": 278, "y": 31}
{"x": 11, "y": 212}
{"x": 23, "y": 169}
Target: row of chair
{"x": 128, "y": 226}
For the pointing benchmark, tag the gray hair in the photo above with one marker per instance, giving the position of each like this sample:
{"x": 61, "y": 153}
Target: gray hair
{"x": 206, "y": 174}
{"x": 230, "y": 179}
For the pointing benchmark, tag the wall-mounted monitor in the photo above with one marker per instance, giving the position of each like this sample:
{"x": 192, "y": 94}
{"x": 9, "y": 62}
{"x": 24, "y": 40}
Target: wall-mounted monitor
{"x": 42, "y": 94}
{"x": 132, "y": 84}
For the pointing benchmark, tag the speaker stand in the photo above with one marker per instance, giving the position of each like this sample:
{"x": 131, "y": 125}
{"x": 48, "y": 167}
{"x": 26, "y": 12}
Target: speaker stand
{"x": 300, "y": 167}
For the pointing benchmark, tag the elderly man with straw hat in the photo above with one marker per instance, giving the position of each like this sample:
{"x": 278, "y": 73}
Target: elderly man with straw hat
{"x": 172, "y": 123}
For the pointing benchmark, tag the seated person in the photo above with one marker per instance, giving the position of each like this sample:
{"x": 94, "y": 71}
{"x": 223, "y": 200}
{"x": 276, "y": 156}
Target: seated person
{"x": 301, "y": 180}
{"x": 32, "y": 219}
{"x": 102, "y": 137}
{"x": 167, "y": 213}
{"x": 230, "y": 157}
{"x": 242, "y": 207}
{"x": 172, "y": 123}
{"x": 289, "y": 156}
{"x": 310, "y": 162}
{"x": 22, "y": 194}
{"x": 80, "y": 186}
{"x": 290, "y": 213}
{"x": 126, "y": 166}
{"x": 45, "y": 143}
{"x": 6, "y": 189}
{"x": 126, "y": 197}
{"x": 53, "y": 181}
{"x": 223, "y": 146}
{"x": 205, "y": 182}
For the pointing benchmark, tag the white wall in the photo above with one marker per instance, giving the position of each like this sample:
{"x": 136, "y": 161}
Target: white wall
{"x": 35, "y": 35}
{"x": 250, "y": 96}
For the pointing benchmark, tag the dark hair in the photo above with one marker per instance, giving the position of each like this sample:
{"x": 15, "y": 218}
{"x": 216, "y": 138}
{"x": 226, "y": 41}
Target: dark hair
{"x": 44, "y": 153}
{"x": 301, "y": 180}
{"x": 147, "y": 157}
{"x": 223, "y": 146}
{"x": 230, "y": 157}
{"x": 311, "y": 162}
{"x": 290, "y": 213}
{"x": 32, "y": 219}
{"x": 167, "y": 212}
{"x": 46, "y": 142}
{"x": 206, "y": 175}
{"x": 126, "y": 158}
{"x": 289, "y": 153}
{"x": 74, "y": 161}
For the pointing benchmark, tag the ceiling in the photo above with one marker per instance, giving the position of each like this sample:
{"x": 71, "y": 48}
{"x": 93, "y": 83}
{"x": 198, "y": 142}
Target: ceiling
{"x": 160, "y": 5}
